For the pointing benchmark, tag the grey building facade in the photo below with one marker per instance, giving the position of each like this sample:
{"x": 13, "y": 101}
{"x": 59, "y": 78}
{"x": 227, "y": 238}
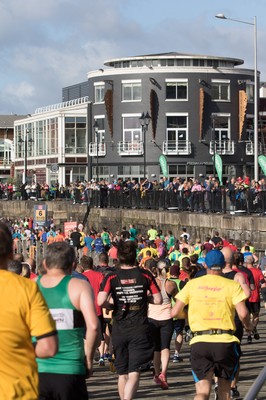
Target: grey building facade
{"x": 199, "y": 106}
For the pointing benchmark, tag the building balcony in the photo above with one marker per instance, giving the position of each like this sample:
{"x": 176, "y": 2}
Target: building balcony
{"x": 130, "y": 148}
{"x": 93, "y": 149}
{"x": 182, "y": 147}
{"x": 222, "y": 147}
{"x": 75, "y": 150}
{"x": 250, "y": 148}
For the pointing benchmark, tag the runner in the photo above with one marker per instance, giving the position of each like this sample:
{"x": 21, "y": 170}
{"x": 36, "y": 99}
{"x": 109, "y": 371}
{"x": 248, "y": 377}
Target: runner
{"x": 129, "y": 287}
{"x": 212, "y": 300}
{"x": 23, "y": 314}
{"x": 71, "y": 303}
{"x": 161, "y": 324}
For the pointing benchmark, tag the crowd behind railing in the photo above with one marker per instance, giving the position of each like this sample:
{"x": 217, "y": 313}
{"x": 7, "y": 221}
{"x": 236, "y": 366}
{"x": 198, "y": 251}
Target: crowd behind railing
{"x": 195, "y": 195}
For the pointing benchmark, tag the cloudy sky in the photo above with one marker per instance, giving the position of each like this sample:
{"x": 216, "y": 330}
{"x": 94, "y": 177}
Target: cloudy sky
{"x": 49, "y": 44}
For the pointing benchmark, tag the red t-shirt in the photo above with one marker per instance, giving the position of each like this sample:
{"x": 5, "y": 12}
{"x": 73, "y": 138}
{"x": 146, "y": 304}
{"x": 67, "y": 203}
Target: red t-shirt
{"x": 95, "y": 278}
{"x": 258, "y": 277}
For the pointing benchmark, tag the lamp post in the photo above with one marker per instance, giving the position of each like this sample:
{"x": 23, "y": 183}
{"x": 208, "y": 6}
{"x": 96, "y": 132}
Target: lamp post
{"x": 25, "y": 141}
{"x": 96, "y": 131}
{"x": 214, "y": 143}
{"x": 144, "y": 122}
{"x": 254, "y": 24}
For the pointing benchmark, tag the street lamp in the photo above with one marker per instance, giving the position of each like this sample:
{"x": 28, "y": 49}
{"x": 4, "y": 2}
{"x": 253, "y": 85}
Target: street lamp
{"x": 25, "y": 141}
{"x": 254, "y": 24}
{"x": 214, "y": 143}
{"x": 144, "y": 122}
{"x": 96, "y": 131}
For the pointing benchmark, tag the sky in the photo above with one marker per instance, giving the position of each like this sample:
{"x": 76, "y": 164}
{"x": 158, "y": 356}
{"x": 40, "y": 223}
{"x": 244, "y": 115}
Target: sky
{"x": 46, "y": 45}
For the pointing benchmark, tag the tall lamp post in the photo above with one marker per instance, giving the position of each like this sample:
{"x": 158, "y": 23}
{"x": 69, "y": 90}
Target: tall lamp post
{"x": 214, "y": 143}
{"x": 144, "y": 122}
{"x": 254, "y": 24}
{"x": 25, "y": 141}
{"x": 96, "y": 131}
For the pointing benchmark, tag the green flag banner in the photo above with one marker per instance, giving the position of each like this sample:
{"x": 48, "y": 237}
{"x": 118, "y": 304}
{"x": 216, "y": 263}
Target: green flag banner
{"x": 218, "y": 166}
{"x": 163, "y": 164}
{"x": 262, "y": 163}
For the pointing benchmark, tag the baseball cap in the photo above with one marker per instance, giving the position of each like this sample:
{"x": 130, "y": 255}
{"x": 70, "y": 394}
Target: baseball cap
{"x": 215, "y": 257}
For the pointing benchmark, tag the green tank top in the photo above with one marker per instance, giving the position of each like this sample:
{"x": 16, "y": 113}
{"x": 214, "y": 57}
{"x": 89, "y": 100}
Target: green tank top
{"x": 70, "y": 358}
{"x": 177, "y": 282}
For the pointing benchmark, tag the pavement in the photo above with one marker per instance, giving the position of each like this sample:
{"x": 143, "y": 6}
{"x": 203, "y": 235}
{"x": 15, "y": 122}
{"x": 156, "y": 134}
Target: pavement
{"x": 103, "y": 384}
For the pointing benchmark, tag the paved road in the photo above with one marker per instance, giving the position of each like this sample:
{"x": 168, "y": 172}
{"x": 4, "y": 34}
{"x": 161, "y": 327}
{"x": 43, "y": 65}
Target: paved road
{"x": 103, "y": 385}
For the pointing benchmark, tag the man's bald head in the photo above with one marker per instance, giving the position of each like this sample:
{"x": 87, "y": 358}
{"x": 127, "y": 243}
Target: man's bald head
{"x": 228, "y": 255}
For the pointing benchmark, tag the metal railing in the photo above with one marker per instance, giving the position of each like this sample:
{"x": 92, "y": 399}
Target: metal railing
{"x": 93, "y": 149}
{"x": 238, "y": 203}
{"x": 172, "y": 147}
{"x": 130, "y": 148}
{"x": 223, "y": 147}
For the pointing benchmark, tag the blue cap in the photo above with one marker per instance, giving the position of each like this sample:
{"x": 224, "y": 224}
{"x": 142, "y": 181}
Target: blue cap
{"x": 215, "y": 257}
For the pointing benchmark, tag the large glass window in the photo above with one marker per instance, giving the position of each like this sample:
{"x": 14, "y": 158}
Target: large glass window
{"x": 131, "y": 91}
{"x": 99, "y": 92}
{"x": 220, "y": 90}
{"x": 52, "y": 136}
{"x": 40, "y": 144}
{"x": 75, "y": 135}
{"x": 176, "y": 90}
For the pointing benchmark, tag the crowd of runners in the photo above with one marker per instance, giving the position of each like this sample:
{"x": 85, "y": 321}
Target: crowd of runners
{"x": 147, "y": 288}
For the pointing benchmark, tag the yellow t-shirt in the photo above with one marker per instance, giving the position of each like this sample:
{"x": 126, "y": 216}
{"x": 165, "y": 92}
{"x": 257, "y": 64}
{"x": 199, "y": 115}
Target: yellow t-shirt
{"x": 211, "y": 303}
{"x": 23, "y": 314}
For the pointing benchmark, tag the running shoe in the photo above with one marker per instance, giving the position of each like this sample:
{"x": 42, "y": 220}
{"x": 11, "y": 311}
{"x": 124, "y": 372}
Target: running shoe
{"x": 256, "y": 334}
{"x": 164, "y": 384}
{"x": 157, "y": 380}
{"x": 249, "y": 339}
{"x": 101, "y": 362}
{"x": 234, "y": 393}
{"x": 177, "y": 358}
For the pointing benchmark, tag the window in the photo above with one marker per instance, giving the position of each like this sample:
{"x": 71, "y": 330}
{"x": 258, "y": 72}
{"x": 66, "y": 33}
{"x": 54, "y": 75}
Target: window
{"x": 131, "y": 129}
{"x": 222, "y": 127}
{"x": 250, "y": 92}
{"x": 176, "y": 90}
{"x": 220, "y": 90}
{"x": 131, "y": 90}
{"x": 52, "y": 136}
{"x": 176, "y": 129}
{"x": 101, "y": 130}
{"x": 75, "y": 135}
{"x": 99, "y": 92}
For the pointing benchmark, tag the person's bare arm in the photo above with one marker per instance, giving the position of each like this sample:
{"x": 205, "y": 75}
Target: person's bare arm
{"x": 81, "y": 295}
{"x": 178, "y": 307}
{"x": 244, "y": 316}
{"x": 104, "y": 300}
{"x": 155, "y": 298}
{"x": 47, "y": 346}
{"x": 241, "y": 280}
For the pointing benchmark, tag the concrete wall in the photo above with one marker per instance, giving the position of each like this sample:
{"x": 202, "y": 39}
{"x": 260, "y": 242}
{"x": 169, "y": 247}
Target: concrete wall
{"x": 237, "y": 227}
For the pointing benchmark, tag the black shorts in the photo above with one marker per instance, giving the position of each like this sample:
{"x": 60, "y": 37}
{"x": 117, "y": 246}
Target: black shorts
{"x": 132, "y": 345}
{"x": 179, "y": 325}
{"x": 222, "y": 358}
{"x": 162, "y": 332}
{"x": 102, "y": 327}
{"x": 62, "y": 387}
{"x": 107, "y": 322}
{"x": 254, "y": 308}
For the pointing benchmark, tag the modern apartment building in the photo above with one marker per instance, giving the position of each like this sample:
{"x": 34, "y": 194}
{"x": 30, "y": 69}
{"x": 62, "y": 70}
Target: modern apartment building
{"x": 198, "y": 106}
